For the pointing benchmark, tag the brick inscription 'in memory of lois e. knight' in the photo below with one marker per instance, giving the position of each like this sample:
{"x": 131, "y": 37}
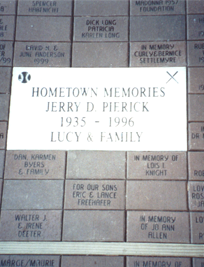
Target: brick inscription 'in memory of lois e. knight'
{"x": 139, "y": 109}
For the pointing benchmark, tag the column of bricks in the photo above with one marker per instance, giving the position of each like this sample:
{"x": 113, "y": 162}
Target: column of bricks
{"x": 100, "y": 33}
{"x": 156, "y": 181}
{"x": 157, "y": 33}
{"x": 43, "y": 34}
{"x": 195, "y": 36}
{"x": 94, "y": 207}
{"x": 156, "y": 197}
{"x": 32, "y": 196}
{"x": 7, "y": 28}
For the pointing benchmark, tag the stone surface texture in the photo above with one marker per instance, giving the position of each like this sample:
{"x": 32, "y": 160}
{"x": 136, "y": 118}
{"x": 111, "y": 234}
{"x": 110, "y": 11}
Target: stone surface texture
{"x": 96, "y": 165}
{"x": 196, "y": 80}
{"x": 153, "y": 28}
{"x": 197, "y": 226}
{"x": 32, "y": 28}
{"x": 30, "y": 225}
{"x": 167, "y": 227}
{"x": 4, "y": 106}
{"x": 6, "y": 54}
{"x": 92, "y": 261}
{"x": 110, "y": 54}
{"x": 157, "y": 54}
{"x": 50, "y": 8}
{"x": 101, "y": 8}
{"x": 93, "y": 194}
{"x": 41, "y": 54}
{"x": 196, "y": 196}
{"x": 5, "y": 79}
{"x": 156, "y": 195}
{"x": 3, "y": 131}
{"x": 156, "y": 261}
{"x": 2, "y": 157}
{"x": 195, "y": 108}
{"x": 145, "y": 8}
{"x": 32, "y": 194}
{"x": 196, "y": 136}
{"x": 35, "y": 164}
{"x": 196, "y": 165}
{"x": 97, "y": 225}
{"x": 156, "y": 165}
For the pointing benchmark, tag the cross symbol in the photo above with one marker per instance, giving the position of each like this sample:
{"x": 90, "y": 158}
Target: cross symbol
{"x": 172, "y": 77}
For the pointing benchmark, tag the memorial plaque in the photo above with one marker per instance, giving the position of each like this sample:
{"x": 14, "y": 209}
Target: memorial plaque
{"x": 32, "y": 28}
{"x": 196, "y": 165}
{"x": 96, "y": 165}
{"x": 197, "y": 227}
{"x": 195, "y": 27}
{"x": 3, "y": 132}
{"x": 196, "y": 107}
{"x": 105, "y": 29}
{"x": 37, "y": 54}
{"x": 92, "y": 261}
{"x": 158, "y": 261}
{"x": 195, "y": 53}
{"x": 35, "y": 225}
{"x": 198, "y": 262}
{"x": 6, "y": 54}
{"x": 115, "y": 113}
{"x": 35, "y": 165}
{"x": 195, "y": 6}
{"x": 196, "y": 196}
{"x": 2, "y": 157}
{"x": 156, "y": 165}
{"x": 4, "y": 106}
{"x": 157, "y": 28}
{"x": 159, "y": 227}
{"x": 45, "y": 8}
{"x": 196, "y": 136}
{"x": 196, "y": 80}
{"x": 5, "y": 77}
{"x": 7, "y": 24}
{"x": 157, "y": 54}
{"x": 101, "y": 7}
{"x": 32, "y": 194}
{"x": 150, "y": 8}
{"x": 95, "y": 195}
{"x": 156, "y": 195}
{"x": 98, "y": 225}
{"x": 8, "y": 7}
{"x": 111, "y": 55}
{"x": 30, "y": 260}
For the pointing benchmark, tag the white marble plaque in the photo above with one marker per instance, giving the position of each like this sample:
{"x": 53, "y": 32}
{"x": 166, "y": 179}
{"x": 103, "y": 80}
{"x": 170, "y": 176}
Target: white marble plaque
{"x": 139, "y": 109}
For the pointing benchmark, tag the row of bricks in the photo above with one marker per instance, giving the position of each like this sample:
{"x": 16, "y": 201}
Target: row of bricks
{"x": 111, "y": 54}
{"x": 106, "y": 8}
{"x": 142, "y": 28}
{"x": 102, "y": 195}
{"x": 64, "y": 8}
{"x": 105, "y": 226}
{"x": 99, "y": 165}
{"x": 98, "y": 261}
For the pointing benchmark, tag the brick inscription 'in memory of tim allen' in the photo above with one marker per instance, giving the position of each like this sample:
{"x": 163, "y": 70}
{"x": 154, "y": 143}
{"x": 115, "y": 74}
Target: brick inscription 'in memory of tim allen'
{"x": 135, "y": 109}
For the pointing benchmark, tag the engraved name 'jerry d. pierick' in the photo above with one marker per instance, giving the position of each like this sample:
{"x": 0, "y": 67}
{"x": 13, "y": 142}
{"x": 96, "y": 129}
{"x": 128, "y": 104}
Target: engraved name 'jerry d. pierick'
{"x": 98, "y": 109}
